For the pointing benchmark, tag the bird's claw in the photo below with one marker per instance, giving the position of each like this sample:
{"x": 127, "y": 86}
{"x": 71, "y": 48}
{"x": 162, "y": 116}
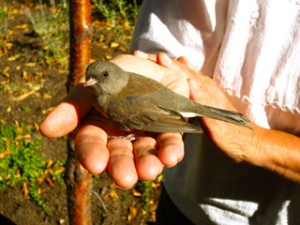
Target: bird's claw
{"x": 130, "y": 137}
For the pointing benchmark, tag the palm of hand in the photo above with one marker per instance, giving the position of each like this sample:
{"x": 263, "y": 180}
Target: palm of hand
{"x": 124, "y": 161}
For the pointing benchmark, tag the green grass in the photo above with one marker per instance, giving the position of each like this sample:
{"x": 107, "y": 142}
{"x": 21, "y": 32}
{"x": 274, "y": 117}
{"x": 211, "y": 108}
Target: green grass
{"x": 3, "y": 28}
{"x": 21, "y": 166}
{"x": 51, "y": 23}
{"x": 121, "y": 14}
{"x": 3, "y": 21}
{"x": 145, "y": 188}
{"x": 113, "y": 10}
{"x": 26, "y": 109}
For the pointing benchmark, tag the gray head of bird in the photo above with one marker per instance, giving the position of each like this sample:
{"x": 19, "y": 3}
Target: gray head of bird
{"x": 103, "y": 77}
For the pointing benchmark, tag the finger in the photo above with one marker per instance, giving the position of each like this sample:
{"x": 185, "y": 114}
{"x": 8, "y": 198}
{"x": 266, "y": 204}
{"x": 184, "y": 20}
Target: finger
{"x": 164, "y": 60}
{"x": 181, "y": 65}
{"x": 90, "y": 146}
{"x": 147, "y": 163}
{"x": 194, "y": 89}
{"x": 186, "y": 62}
{"x": 171, "y": 148}
{"x": 145, "y": 55}
{"x": 121, "y": 166}
{"x": 66, "y": 116}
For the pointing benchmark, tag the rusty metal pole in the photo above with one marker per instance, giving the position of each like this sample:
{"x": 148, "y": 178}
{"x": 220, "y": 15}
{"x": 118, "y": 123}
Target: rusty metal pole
{"x": 78, "y": 180}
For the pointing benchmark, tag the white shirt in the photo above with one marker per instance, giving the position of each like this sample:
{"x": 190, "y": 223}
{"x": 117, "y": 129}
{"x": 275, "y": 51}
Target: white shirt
{"x": 252, "y": 50}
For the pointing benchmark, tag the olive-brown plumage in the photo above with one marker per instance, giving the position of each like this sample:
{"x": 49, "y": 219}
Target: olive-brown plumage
{"x": 135, "y": 102}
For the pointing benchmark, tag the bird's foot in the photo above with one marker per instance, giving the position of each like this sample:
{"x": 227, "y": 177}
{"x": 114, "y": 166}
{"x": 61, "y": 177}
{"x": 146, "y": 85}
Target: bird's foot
{"x": 130, "y": 137}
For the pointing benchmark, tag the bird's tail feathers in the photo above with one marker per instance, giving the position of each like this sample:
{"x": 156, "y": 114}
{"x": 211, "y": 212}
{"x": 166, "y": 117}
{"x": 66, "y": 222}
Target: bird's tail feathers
{"x": 227, "y": 116}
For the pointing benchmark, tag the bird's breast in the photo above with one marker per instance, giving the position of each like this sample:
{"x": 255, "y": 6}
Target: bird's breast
{"x": 100, "y": 102}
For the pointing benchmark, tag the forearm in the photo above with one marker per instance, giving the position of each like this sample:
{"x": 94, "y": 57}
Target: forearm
{"x": 275, "y": 150}
{"x": 272, "y": 149}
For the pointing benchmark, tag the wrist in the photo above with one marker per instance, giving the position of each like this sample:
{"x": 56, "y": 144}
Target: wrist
{"x": 239, "y": 143}
{"x": 250, "y": 145}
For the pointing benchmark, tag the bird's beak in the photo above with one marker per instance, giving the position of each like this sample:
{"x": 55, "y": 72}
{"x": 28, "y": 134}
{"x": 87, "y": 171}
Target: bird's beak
{"x": 90, "y": 82}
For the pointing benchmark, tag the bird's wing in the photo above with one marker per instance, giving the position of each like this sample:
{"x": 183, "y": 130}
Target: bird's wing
{"x": 139, "y": 113}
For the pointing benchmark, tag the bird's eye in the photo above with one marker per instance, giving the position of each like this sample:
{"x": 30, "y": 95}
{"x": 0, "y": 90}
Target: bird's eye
{"x": 105, "y": 73}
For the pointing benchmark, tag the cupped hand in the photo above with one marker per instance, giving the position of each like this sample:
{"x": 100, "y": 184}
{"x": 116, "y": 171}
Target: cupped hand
{"x": 124, "y": 161}
{"x": 235, "y": 141}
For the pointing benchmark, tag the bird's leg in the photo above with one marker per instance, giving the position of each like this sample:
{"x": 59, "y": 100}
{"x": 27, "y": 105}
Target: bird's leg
{"x": 133, "y": 136}
{"x": 129, "y": 137}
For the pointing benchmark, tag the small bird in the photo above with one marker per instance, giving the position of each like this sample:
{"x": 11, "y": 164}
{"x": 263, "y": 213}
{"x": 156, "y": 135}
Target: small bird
{"x": 134, "y": 102}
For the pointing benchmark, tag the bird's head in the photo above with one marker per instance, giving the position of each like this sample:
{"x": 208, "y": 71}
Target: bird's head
{"x": 104, "y": 77}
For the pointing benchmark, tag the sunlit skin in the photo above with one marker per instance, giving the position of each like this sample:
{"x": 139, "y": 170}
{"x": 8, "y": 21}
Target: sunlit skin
{"x": 145, "y": 158}
{"x": 124, "y": 161}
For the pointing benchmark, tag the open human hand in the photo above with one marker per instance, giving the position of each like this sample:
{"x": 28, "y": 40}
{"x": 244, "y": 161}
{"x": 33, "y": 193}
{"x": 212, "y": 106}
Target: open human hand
{"x": 124, "y": 161}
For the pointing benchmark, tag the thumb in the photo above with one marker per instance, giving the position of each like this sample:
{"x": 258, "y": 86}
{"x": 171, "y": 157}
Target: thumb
{"x": 67, "y": 115}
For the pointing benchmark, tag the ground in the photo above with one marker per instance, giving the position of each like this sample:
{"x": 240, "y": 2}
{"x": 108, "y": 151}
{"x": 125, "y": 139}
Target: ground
{"x": 29, "y": 88}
